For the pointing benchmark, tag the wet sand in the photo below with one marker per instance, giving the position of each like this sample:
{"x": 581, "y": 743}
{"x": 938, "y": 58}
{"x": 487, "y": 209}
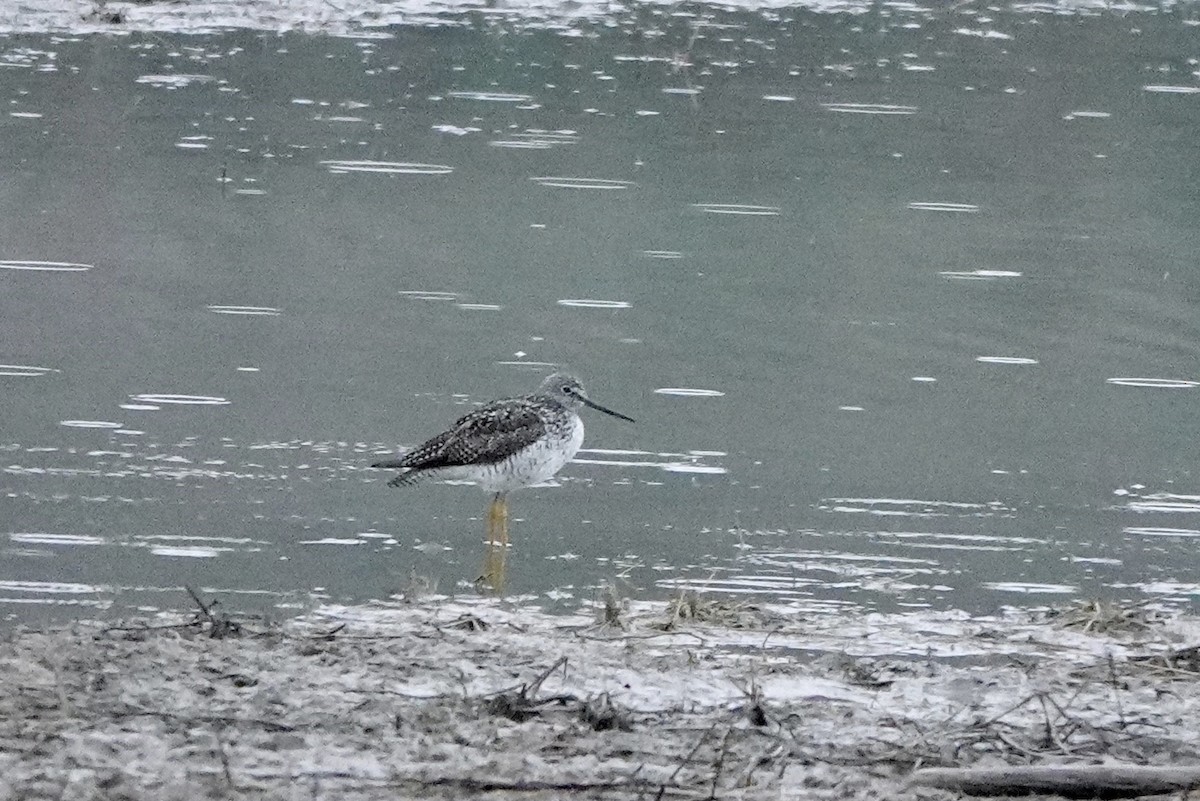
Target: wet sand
{"x": 695, "y": 698}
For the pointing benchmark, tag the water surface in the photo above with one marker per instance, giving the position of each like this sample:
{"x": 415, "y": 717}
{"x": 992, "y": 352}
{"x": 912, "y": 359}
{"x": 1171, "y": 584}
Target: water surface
{"x": 904, "y": 303}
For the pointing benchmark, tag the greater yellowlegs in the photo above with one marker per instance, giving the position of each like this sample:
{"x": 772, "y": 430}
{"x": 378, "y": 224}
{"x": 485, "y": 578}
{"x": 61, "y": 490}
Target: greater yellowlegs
{"x": 505, "y": 445}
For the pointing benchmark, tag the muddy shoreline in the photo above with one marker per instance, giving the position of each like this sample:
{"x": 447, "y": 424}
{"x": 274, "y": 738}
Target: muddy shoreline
{"x": 446, "y": 698}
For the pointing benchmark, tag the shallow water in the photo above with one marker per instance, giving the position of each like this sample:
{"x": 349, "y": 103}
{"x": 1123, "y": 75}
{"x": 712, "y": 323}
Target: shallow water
{"x": 903, "y": 302}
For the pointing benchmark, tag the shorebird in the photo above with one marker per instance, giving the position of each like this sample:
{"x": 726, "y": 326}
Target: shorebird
{"x": 505, "y": 445}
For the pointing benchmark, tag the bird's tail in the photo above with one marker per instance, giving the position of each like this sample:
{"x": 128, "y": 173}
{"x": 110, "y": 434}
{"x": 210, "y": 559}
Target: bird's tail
{"x": 407, "y": 475}
{"x": 390, "y": 464}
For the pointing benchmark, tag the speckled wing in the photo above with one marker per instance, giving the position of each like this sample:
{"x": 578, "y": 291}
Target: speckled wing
{"x": 487, "y": 435}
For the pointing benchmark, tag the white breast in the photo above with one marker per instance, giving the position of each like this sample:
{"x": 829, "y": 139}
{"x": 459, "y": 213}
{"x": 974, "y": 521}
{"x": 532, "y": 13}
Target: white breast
{"x": 536, "y": 464}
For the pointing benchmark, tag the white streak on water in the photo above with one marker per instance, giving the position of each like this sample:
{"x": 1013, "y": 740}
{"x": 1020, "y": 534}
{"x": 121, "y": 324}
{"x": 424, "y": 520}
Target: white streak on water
{"x": 44, "y": 266}
{"x": 1030, "y": 588}
{"x": 38, "y": 538}
{"x": 1159, "y": 531}
{"x": 182, "y": 400}
{"x": 870, "y": 108}
{"x": 268, "y": 311}
{"x": 197, "y": 552}
{"x": 1154, "y": 383}
{"x": 47, "y": 587}
{"x": 342, "y": 166}
{"x": 1005, "y": 360}
{"x": 695, "y": 468}
{"x": 581, "y": 183}
{"x": 979, "y": 275}
{"x": 960, "y": 208}
{"x": 688, "y": 392}
{"x": 492, "y": 97}
{"x": 738, "y": 209}
{"x": 594, "y": 304}
{"x": 1172, "y": 90}
{"x": 176, "y": 81}
{"x": 25, "y": 370}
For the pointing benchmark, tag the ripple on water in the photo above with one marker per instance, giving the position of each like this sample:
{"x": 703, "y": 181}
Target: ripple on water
{"x": 906, "y": 507}
{"x": 954, "y": 208}
{"x": 1153, "y": 383}
{"x": 979, "y": 275}
{"x": 521, "y": 144}
{"x": 1167, "y": 503}
{"x": 48, "y": 586}
{"x": 150, "y": 538}
{"x": 940, "y": 541}
{"x": 44, "y": 266}
{"x": 587, "y": 303}
{"x": 1005, "y": 360}
{"x": 870, "y": 108}
{"x": 456, "y": 130}
{"x": 529, "y": 365}
{"x": 265, "y": 311}
{"x": 194, "y": 142}
{"x": 428, "y": 294}
{"x": 982, "y": 33}
{"x": 90, "y": 424}
{"x": 492, "y": 97}
{"x": 1161, "y": 531}
{"x": 1171, "y": 90}
{"x": 344, "y": 166}
{"x": 1030, "y": 587}
{"x": 188, "y": 552}
{"x": 536, "y": 139}
{"x": 40, "y": 538}
{"x": 50, "y": 593}
{"x": 179, "y": 400}
{"x": 690, "y": 462}
{"x": 1175, "y": 588}
{"x": 662, "y": 254}
{"x": 176, "y": 81}
{"x": 779, "y": 586}
{"x": 690, "y": 392}
{"x": 25, "y": 370}
{"x": 701, "y": 469}
{"x": 580, "y": 183}
{"x": 738, "y": 209}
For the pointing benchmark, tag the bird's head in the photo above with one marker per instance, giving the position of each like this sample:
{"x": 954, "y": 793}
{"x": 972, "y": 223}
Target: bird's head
{"x": 566, "y": 389}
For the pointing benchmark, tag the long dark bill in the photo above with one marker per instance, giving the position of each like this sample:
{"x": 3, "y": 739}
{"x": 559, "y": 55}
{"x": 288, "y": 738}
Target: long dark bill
{"x": 600, "y": 408}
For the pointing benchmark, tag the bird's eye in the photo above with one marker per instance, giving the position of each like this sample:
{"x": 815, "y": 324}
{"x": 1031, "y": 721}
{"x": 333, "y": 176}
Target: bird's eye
{"x": 568, "y": 389}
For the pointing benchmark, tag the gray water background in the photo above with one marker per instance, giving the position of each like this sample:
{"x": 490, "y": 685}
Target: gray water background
{"x": 904, "y": 303}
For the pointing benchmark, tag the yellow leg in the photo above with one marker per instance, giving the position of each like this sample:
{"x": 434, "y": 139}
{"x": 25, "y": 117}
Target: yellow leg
{"x": 503, "y": 514}
{"x": 495, "y": 559}
{"x": 493, "y": 521}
